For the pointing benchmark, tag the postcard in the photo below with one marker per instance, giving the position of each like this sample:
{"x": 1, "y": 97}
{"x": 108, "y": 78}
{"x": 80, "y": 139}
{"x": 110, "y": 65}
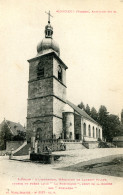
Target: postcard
{"x": 61, "y": 97}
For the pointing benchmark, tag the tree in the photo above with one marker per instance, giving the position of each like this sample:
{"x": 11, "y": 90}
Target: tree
{"x": 103, "y": 120}
{"x": 94, "y": 114}
{"x": 113, "y": 127}
{"x": 110, "y": 123}
{"x": 119, "y": 131}
{"x": 82, "y": 106}
{"x": 5, "y": 135}
{"x": 122, "y": 116}
{"x": 87, "y": 109}
{"x": 21, "y": 136}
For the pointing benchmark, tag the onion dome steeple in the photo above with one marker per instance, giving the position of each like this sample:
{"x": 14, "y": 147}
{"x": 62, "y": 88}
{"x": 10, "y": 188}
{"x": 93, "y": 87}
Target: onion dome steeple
{"x": 48, "y": 44}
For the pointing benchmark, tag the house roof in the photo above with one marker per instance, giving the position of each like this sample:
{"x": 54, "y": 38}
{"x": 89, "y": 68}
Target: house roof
{"x": 13, "y": 126}
{"x": 81, "y": 112}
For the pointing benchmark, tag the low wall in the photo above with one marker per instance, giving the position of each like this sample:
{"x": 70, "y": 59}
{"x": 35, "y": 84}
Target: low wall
{"x": 90, "y": 145}
{"x": 57, "y": 145}
{"x": 53, "y": 145}
{"x": 74, "y": 145}
{"x": 2, "y": 152}
{"x": 118, "y": 144}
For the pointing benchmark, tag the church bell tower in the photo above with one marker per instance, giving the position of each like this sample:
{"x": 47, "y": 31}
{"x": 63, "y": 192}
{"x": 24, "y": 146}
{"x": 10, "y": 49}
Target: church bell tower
{"x": 46, "y": 89}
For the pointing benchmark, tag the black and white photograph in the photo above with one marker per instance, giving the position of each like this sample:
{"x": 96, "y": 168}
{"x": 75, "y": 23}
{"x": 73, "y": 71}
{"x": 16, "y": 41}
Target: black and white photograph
{"x": 61, "y": 97}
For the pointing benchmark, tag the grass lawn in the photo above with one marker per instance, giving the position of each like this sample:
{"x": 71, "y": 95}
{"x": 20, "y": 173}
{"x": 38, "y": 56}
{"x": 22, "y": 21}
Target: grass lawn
{"x": 110, "y": 165}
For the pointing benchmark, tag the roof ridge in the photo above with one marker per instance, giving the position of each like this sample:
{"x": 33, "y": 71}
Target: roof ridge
{"x": 15, "y": 122}
{"x": 81, "y": 112}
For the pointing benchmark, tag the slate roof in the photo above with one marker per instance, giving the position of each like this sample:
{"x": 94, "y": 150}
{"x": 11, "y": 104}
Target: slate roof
{"x": 14, "y": 127}
{"x": 80, "y": 111}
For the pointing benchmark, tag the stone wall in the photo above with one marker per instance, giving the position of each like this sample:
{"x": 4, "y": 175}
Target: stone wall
{"x": 118, "y": 144}
{"x": 59, "y": 90}
{"x": 46, "y": 62}
{"x": 58, "y": 106}
{"x": 56, "y": 63}
{"x": 56, "y": 145}
{"x": 57, "y": 127}
{"x": 45, "y": 123}
{"x": 40, "y": 107}
{"x": 41, "y": 88}
{"x": 74, "y": 145}
{"x": 90, "y": 145}
{"x": 2, "y": 152}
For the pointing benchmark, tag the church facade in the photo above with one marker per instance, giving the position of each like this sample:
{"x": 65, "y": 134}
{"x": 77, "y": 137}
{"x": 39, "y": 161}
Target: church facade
{"x": 49, "y": 114}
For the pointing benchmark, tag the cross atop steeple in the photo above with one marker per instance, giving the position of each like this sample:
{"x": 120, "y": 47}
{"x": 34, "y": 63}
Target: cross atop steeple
{"x": 49, "y": 15}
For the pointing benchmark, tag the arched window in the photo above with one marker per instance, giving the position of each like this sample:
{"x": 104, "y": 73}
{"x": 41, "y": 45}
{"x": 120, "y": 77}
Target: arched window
{"x": 89, "y": 131}
{"x": 48, "y": 33}
{"x": 60, "y": 73}
{"x": 96, "y": 133}
{"x": 93, "y": 132}
{"x": 40, "y": 71}
{"x": 39, "y": 134}
{"x": 84, "y": 129}
{"x": 99, "y": 133}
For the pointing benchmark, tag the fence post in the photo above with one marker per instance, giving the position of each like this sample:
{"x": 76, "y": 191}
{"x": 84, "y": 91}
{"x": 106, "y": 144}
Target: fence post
{"x": 11, "y": 154}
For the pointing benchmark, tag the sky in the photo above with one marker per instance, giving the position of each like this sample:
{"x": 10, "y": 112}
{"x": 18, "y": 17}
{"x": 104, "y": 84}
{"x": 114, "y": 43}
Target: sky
{"x": 91, "y": 45}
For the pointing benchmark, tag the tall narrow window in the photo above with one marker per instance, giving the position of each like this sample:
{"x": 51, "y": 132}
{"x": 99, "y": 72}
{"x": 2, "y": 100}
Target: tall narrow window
{"x": 48, "y": 33}
{"x": 59, "y": 73}
{"x": 40, "y": 71}
{"x": 93, "y": 132}
{"x": 89, "y": 131}
{"x": 84, "y": 129}
{"x": 96, "y": 133}
{"x": 39, "y": 134}
{"x": 99, "y": 133}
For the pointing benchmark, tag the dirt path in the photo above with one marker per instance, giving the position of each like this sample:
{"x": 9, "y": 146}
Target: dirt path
{"x": 24, "y": 177}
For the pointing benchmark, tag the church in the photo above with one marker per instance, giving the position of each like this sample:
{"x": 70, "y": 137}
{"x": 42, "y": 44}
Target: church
{"x": 50, "y": 116}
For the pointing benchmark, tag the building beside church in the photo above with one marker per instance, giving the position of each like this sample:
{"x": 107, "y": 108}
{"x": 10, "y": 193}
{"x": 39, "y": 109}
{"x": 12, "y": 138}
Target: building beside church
{"x": 49, "y": 114}
{"x": 12, "y": 135}
{"x": 15, "y": 128}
